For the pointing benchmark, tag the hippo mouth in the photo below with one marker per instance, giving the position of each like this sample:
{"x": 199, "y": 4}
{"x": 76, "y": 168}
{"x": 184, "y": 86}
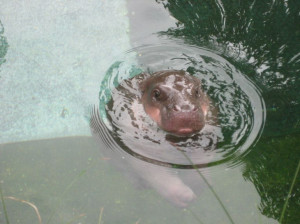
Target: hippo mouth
{"x": 183, "y": 126}
{"x": 185, "y": 131}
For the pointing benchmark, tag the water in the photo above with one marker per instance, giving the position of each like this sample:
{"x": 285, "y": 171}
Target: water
{"x": 237, "y": 103}
{"x": 247, "y": 56}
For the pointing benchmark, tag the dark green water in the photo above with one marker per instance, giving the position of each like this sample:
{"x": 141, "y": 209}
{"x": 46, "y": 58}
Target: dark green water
{"x": 261, "y": 38}
{"x": 70, "y": 181}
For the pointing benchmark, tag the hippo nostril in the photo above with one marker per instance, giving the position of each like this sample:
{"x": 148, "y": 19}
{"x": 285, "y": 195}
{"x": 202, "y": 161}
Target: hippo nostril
{"x": 185, "y": 108}
{"x": 188, "y": 107}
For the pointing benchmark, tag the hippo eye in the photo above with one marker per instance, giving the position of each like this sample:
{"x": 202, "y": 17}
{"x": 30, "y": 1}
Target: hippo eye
{"x": 156, "y": 93}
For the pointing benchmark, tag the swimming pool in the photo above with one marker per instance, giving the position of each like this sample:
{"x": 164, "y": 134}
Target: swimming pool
{"x": 54, "y": 56}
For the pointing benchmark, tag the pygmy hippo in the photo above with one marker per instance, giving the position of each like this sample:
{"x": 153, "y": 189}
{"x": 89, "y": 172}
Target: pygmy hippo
{"x": 174, "y": 101}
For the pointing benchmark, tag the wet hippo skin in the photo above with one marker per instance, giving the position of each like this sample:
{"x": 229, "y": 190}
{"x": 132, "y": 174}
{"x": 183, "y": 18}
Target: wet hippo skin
{"x": 175, "y": 101}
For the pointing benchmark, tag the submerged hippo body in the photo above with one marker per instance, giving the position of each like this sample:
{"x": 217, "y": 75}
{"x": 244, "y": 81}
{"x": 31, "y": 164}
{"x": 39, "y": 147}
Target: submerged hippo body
{"x": 175, "y": 103}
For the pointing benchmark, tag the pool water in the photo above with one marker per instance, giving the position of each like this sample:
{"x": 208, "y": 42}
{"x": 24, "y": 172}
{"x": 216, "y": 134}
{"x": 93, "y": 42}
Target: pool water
{"x": 248, "y": 53}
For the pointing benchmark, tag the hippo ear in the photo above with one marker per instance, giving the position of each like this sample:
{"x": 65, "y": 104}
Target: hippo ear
{"x": 143, "y": 82}
{"x": 198, "y": 80}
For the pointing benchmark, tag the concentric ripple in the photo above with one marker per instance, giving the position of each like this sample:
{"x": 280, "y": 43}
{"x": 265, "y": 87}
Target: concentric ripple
{"x": 234, "y": 122}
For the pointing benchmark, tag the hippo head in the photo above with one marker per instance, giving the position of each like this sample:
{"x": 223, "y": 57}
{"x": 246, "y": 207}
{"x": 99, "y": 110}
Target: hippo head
{"x": 175, "y": 101}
